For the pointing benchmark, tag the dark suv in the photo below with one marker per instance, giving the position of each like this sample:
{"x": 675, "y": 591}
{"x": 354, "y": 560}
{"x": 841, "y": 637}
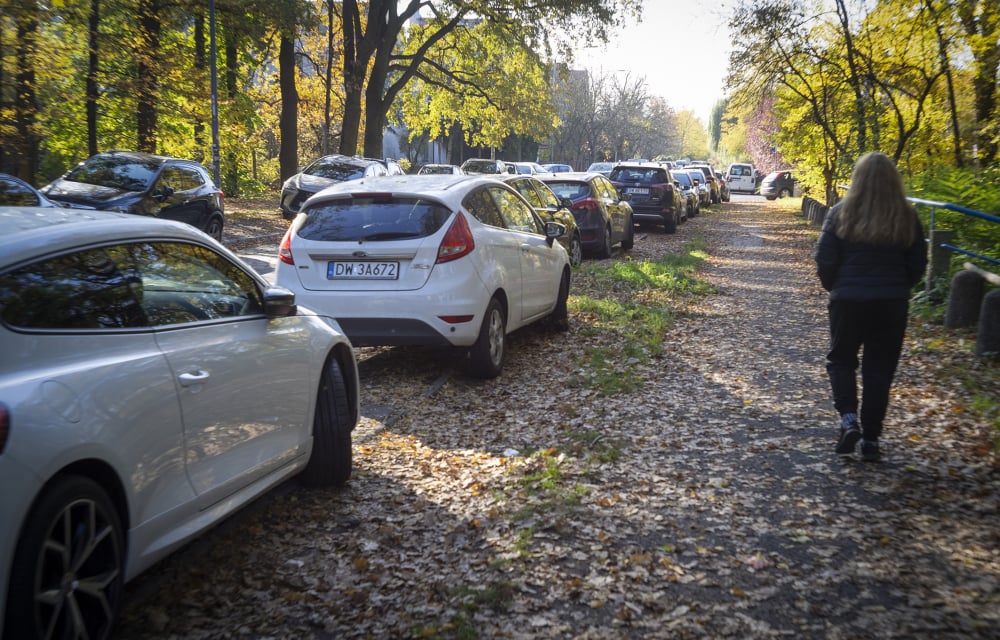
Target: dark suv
{"x": 143, "y": 184}
{"x": 654, "y": 195}
{"x": 327, "y": 170}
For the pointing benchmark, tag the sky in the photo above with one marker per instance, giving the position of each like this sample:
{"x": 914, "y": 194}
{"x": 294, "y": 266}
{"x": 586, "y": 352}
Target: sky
{"x": 671, "y": 34}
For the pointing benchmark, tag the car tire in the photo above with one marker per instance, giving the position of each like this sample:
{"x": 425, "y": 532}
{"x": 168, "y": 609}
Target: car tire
{"x": 78, "y": 566}
{"x": 629, "y": 240}
{"x": 604, "y": 250}
{"x": 330, "y": 461}
{"x": 784, "y": 193}
{"x": 771, "y": 197}
{"x": 486, "y": 356}
{"x": 575, "y": 251}
{"x": 214, "y": 226}
{"x": 559, "y": 318}
{"x": 670, "y": 223}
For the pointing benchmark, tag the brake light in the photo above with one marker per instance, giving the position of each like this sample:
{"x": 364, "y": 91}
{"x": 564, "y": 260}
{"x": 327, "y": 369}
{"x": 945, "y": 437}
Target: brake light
{"x": 457, "y": 241}
{"x": 587, "y": 204}
{"x": 4, "y": 426}
{"x": 285, "y": 248}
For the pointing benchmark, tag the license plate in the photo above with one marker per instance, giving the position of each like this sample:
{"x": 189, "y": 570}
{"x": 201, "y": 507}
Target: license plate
{"x": 362, "y": 270}
{"x": 638, "y": 190}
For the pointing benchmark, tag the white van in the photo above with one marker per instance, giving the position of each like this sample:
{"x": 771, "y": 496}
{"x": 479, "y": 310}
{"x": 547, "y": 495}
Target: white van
{"x": 741, "y": 178}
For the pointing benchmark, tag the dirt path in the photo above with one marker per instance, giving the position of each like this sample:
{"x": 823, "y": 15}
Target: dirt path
{"x": 707, "y": 505}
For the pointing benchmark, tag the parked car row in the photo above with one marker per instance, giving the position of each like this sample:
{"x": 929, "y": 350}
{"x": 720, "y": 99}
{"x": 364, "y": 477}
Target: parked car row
{"x": 135, "y": 409}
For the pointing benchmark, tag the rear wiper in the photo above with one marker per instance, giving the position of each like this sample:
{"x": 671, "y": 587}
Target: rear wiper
{"x": 390, "y": 235}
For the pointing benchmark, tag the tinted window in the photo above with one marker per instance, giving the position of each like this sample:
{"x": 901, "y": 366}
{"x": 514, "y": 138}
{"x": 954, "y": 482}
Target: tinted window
{"x": 16, "y": 193}
{"x": 640, "y": 175}
{"x": 483, "y": 208}
{"x": 548, "y": 198}
{"x": 117, "y": 172}
{"x": 180, "y": 178}
{"x": 127, "y": 286}
{"x": 525, "y": 188}
{"x": 372, "y": 218}
{"x": 515, "y": 213}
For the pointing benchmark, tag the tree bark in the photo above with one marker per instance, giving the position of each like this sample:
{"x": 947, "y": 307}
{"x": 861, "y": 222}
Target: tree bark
{"x": 93, "y": 64}
{"x": 25, "y": 102}
{"x": 147, "y": 75}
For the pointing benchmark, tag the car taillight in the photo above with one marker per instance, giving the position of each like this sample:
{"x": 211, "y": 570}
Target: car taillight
{"x": 587, "y": 204}
{"x": 285, "y": 248}
{"x": 4, "y": 426}
{"x": 457, "y": 241}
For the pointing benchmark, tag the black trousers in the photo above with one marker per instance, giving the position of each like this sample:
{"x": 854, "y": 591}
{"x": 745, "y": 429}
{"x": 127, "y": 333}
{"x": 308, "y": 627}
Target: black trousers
{"x": 877, "y": 327}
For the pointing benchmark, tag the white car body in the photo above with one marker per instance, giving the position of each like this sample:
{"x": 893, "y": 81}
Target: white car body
{"x": 411, "y": 291}
{"x": 179, "y": 419}
{"x": 741, "y": 178}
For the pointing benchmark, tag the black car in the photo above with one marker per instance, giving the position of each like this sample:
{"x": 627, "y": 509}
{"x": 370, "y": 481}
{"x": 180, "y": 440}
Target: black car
{"x": 18, "y": 193}
{"x": 652, "y": 192}
{"x": 689, "y": 190}
{"x": 327, "y": 170}
{"x": 550, "y": 208}
{"x": 143, "y": 184}
{"x": 778, "y": 184}
{"x": 603, "y": 216}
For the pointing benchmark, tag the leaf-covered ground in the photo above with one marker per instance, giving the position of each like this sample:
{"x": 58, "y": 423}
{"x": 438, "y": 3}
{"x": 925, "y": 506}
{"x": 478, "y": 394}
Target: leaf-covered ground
{"x": 701, "y": 500}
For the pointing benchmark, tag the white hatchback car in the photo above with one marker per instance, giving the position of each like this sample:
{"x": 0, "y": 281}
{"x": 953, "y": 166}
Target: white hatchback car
{"x": 427, "y": 260}
{"x": 150, "y": 385}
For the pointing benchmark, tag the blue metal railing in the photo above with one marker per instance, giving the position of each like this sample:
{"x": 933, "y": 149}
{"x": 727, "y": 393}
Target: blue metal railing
{"x": 957, "y": 209}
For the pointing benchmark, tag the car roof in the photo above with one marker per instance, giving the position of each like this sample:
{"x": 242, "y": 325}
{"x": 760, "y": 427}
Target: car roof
{"x": 447, "y": 188}
{"x": 29, "y": 232}
{"x": 571, "y": 175}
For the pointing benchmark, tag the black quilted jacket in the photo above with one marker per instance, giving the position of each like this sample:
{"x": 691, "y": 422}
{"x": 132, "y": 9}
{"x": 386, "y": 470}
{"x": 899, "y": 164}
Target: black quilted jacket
{"x": 859, "y": 271}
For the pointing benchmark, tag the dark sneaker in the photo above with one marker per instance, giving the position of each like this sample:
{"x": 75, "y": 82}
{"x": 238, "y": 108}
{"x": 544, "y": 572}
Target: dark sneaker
{"x": 869, "y": 451}
{"x": 850, "y": 433}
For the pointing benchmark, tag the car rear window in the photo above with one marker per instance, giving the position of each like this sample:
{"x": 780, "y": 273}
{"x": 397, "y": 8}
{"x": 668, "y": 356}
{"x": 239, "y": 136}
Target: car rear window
{"x": 372, "y": 218}
{"x": 641, "y": 175}
{"x": 683, "y": 178}
{"x": 574, "y": 190}
{"x": 335, "y": 170}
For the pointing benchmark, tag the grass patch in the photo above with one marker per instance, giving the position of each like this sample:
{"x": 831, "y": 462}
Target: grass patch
{"x": 634, "y": 300}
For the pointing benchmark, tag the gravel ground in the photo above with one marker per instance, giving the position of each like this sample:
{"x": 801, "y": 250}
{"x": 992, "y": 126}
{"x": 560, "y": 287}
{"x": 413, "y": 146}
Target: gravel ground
{"x": 706, "y": 504}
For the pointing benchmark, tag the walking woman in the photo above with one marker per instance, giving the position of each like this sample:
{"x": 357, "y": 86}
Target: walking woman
{"x": 870, "y": 254}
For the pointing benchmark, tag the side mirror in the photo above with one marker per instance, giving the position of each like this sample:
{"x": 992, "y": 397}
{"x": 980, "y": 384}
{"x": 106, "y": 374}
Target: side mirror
{"x": 279, "y": 302}
{"x": 566, "y": 202}
{"x": 553, "y": 230}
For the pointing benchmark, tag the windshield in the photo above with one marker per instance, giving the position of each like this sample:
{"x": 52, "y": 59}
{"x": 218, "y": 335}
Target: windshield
{"x": 371, "y": 218}
{"x": 334, "y": 169}
{"x": 126, "y": 174}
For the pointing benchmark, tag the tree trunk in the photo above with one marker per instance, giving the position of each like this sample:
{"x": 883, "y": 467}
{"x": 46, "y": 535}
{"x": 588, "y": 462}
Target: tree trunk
{"x": 94, "y": 20}
{"x": 25, "y": 103}
{"x": 355, "y": 71}
{"x": 288, "y": 151}
{"x": 202, "y": 70}
{"x": 147, "y": 78}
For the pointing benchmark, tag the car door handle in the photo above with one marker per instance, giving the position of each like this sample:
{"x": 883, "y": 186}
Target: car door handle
{"x": 191, "y": 379}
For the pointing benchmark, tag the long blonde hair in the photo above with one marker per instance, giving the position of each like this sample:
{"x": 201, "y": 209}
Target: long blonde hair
{"x": 875, "y": 210}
